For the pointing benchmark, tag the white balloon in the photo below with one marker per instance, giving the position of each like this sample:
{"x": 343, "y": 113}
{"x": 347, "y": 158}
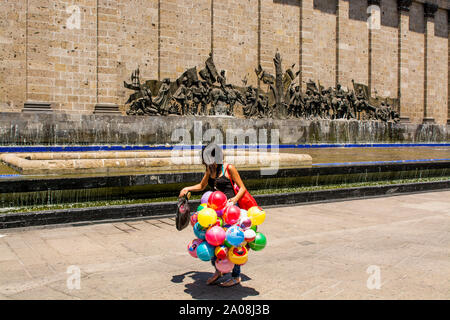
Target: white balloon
{"x": 249, "y": 235}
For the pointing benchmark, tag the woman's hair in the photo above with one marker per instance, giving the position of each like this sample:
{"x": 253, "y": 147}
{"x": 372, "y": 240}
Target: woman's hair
{"x": 212, "y": 154}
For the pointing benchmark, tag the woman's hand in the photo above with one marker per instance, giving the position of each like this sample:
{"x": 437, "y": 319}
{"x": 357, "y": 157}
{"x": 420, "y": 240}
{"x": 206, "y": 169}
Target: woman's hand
{"x": 232, "y": 201}
{"x": 183, "y": 192}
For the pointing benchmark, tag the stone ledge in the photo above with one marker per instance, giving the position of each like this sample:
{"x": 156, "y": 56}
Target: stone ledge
{"x": 138, "y": 161}
{"x": 99, "y": 214}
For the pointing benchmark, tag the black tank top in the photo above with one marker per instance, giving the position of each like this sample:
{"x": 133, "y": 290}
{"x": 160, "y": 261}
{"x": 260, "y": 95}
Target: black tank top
{"x": 223, "y": 184}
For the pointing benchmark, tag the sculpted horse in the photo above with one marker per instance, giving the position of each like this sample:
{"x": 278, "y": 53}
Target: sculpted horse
{"x": 229, "y": 98}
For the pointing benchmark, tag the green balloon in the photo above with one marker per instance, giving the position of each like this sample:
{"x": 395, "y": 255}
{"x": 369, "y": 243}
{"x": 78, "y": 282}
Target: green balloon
{"x": 201, "y": 207}
{"x": 227, "y": 243}
{"x": 254, "y": 228}
{"x": 259, "y": 243}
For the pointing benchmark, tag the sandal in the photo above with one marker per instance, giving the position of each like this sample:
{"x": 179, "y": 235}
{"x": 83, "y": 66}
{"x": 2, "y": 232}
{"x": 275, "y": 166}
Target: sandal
{"x": 231, "y": 282}
{"x": 214, "y": 278}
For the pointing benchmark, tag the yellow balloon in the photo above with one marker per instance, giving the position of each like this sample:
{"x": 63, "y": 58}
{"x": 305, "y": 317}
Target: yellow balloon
{"x": 207, "y": 217}
{"x": 238, "y": 255}
{"x": 256, "y": 215}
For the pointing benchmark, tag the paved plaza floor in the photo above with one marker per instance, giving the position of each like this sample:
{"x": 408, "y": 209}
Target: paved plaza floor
{"x": 381, "y": 248}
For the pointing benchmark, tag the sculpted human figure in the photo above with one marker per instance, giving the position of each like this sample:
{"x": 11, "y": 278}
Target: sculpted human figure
{"x": 205, "y": 99}
{"x": 144, "y": 104}
{"x": 250, "y": 108}
{"x": 263, "y": 107}
{"x": 338, "y": 102}
{"x": 223, "y": 82}
{"x": 161, "y": 102}
{"x": 381, "y": 113}
{"x": 197, "y": 97}
{"x": 348, "y": 106}
{"x": 182, "y": 95}
{"x": 309, "y": 104}
{"x": 291, "y": 104}
{"x": 233, "y": 96}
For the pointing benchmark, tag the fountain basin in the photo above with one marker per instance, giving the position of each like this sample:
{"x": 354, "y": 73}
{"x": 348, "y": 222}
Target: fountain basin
{"x": 58, "y": 163}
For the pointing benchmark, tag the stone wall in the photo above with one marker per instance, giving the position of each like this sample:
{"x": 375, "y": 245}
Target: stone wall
{"x": 79, "y": 129}
{"x": 44, "y": 59}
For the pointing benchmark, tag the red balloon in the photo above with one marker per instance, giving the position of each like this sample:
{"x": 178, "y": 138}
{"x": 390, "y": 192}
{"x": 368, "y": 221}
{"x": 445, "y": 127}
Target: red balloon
{"x": 231, "y": 214}
{"x": 217, "y": 200}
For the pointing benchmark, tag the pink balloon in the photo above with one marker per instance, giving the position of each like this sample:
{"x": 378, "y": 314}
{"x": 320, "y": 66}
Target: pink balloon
{"x": 224, "y": 265}
{"x": 215, "y": 236}
{"x": 245, "y": 223}
{"x": 192, "y": 247}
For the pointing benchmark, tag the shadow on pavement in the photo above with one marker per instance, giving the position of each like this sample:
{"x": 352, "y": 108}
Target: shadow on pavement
{"x": 200, "y": 290}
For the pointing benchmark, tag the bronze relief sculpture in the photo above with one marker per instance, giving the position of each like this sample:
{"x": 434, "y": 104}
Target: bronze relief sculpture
{"x": 207, "y": 93}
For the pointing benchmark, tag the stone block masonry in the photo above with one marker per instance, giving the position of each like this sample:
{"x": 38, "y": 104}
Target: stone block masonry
{"x": 77, "y": 53}
{"x": 18, "y": 128}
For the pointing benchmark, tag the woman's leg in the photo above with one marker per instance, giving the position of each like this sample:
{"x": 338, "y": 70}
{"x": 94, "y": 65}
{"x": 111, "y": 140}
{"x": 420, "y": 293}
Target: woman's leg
{"x": 236, "y": 271}
{"x": 216, "y": 274}
{"x": 235, "y": 277}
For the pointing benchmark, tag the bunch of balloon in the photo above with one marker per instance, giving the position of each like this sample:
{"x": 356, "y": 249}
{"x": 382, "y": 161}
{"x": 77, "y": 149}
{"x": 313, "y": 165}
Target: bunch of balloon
{"x": 225, "y": 231}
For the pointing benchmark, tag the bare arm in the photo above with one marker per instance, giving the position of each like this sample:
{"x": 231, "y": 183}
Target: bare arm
{"x": 237, "y": 179}
{"x": 198, "y": 187}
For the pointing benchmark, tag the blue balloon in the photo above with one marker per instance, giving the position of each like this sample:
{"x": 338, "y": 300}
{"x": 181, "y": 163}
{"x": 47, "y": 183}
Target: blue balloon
{"x": 199, "y": 231}
{"x": 205, "y": 251}
{"x": 235, "y": 236}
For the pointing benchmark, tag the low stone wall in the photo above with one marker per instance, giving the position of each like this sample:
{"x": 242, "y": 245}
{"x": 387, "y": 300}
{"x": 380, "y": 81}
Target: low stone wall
{"x": 142, "y": 161}
{"x": 66, "y": 129}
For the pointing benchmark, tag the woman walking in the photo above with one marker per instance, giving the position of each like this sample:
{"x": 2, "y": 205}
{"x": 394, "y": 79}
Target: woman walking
{"x": 219, "y": 176}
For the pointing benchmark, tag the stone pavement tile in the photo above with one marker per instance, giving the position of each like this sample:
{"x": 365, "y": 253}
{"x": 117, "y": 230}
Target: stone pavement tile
{"x": 428, "y": 206}
{"x": 103, "y": 229}
{"x": 15, "y": 242}
{"x": 6, "y": 253}
{"x": 319, "y": 251}
{"x": 39, "y": 246}
{"x": 58, "y": 233}
{"x": 137, "y": 281}
{"x": 419, "y": 198}
{"x": 72, "y": 245}
{"x": 85, "y": 292}
{"x": 11, "y": 271}
{"x": 409, "y": 286}
{"x": 39, "y": 270}
{"x": 111, "y": 245}
{"x": 28, "y": 256}
{"x": 293, "y": 221}
{"x": 42, "y": 293}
